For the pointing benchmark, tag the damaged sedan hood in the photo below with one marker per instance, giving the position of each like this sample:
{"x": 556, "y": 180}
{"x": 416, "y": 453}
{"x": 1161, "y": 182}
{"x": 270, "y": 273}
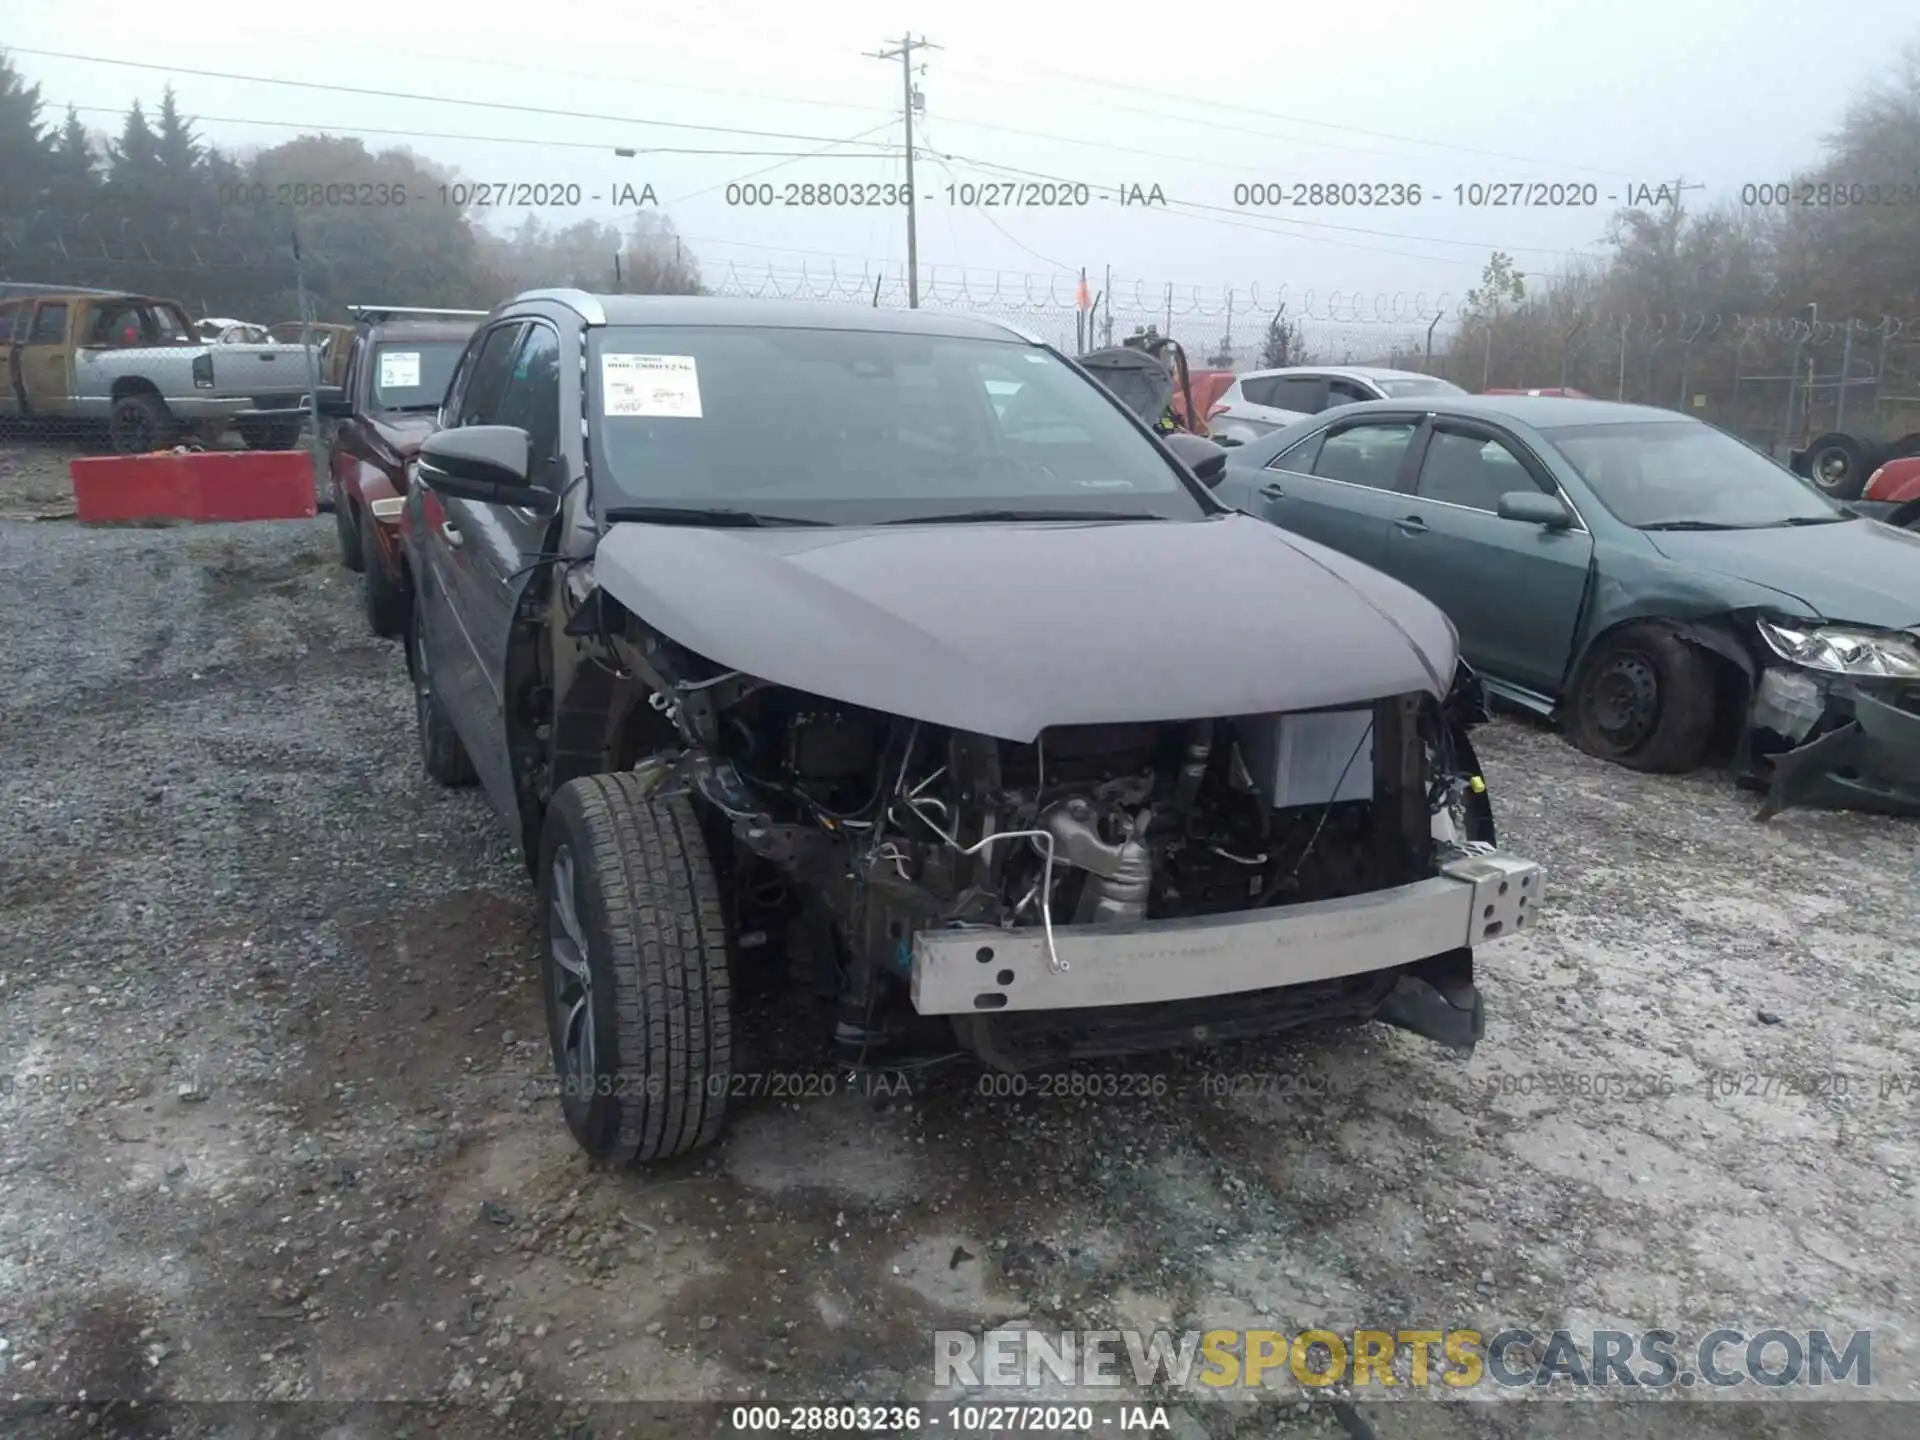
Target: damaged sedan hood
{"x": 1858, "y": 572}
{"x": 1006, "y": 629}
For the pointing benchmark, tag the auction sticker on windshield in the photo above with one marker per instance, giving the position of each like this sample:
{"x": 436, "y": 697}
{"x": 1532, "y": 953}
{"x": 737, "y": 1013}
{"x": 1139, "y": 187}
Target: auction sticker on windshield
{"x": 650, "y": 385}
{"x": 399, "y": 369}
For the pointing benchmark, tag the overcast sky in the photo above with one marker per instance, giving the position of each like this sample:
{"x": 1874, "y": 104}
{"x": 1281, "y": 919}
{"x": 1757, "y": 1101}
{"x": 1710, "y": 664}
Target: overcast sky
{"x": 1193, "y": 99}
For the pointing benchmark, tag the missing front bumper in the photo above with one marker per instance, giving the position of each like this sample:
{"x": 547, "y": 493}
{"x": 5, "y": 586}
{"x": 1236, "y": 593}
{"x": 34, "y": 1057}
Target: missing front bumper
{"x": 1848, "y": 744}
{"x": 1870, "y": 762}
{"x": 985, "y": 971}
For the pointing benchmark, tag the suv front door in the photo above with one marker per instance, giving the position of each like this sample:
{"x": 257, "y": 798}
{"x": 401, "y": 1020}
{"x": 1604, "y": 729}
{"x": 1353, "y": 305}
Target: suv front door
{"x": 346, "y": 444}
{"x": 1340, "y": 486}
{"x": 1513, "y": 589}
{"x": 498, "y": 545}
{"x": 447, "y": 588}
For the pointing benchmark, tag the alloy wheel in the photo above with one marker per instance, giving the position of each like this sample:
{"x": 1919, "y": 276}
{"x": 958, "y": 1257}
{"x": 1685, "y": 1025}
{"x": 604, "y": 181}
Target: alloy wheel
{"x": 570, "y": 981}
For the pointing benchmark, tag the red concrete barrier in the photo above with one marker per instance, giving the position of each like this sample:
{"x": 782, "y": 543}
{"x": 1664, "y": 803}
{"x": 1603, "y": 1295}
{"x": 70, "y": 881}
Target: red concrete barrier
{"x": 205, "y": 486}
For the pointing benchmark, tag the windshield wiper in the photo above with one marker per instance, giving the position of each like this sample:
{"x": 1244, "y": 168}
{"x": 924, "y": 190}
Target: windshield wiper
{"x": 1693, "y": 525}
{"x": 695, "y": 515}
{"x": 1005, "y": 516}
{"x": 1820, "y": 519}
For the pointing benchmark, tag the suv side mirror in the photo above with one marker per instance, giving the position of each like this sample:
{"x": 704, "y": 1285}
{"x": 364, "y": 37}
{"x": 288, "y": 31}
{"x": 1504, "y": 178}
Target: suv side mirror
{"x": 1207, "y": 460}
{"x": 488, "y": 463}
{"x": 333, "y": 403}
{"x": 1536, "y": 507}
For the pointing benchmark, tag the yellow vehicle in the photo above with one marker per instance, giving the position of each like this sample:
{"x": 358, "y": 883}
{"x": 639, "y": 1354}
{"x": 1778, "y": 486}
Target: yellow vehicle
{"x": 334, "y": 342}
{"x": 136, "y": 364}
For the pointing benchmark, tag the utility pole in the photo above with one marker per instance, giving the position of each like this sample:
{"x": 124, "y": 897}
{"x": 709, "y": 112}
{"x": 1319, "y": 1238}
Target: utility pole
{"x": 316, "y": 442}
{"x": 1680, "y": 184}
{"x": 904, "y": 53}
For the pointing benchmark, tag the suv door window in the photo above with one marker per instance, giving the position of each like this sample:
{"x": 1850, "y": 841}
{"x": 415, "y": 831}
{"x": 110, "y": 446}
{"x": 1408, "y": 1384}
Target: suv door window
{"x": 487, "y": 376}
{"x": 531, "y": 397}
{"x": 1368, "y": 455}
{"x": 49, "y": 324}
{"x": 1258, "y": 391}
{"x": 1304, "y": 393}
{"x": 1471, "y": 470}
{"x": 1348, "y": 392}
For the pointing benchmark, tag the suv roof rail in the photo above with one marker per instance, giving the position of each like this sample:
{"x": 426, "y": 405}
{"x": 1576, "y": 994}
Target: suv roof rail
{"x": 377, "y": 313}
{"x": 588, "y": 307}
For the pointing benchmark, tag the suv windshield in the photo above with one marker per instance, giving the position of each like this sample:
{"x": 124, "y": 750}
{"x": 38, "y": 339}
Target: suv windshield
{"x": 1680, "y": 473}
{"x": 1396, "y": 387}
{"x": 413, "y": 374}
{"x": 863, "y": 427}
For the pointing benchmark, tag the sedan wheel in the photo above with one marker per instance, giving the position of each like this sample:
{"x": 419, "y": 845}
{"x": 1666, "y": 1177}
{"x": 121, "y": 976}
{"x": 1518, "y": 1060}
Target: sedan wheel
{"x": 1645, "y": 699}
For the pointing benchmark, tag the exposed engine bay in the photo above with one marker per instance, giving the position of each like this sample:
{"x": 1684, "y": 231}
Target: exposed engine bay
{"x": 851, "y": 831}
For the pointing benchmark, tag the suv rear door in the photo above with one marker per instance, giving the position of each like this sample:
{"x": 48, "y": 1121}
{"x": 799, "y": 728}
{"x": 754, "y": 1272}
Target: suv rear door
{"x": 1284, "y": 398}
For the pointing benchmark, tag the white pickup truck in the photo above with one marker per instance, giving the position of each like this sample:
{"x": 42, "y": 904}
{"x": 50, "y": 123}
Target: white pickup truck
{"x": 137, "y": 364}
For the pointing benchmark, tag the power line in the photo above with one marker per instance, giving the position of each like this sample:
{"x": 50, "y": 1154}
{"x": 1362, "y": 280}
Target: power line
{"x": 987, "y": 215}
{"x": 599, "y": 147}
{"x": 386, "y": 94}
{"x": 626, "y": 81}
{"x": 1243, "y": 220}
{"x": 821, "y": 153}
{"x": 1216, "y": 105}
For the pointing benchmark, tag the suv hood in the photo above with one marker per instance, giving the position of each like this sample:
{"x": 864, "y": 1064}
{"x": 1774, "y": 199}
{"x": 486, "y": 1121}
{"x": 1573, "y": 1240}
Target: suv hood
{"x": 404, "y": 432}
{"x": 1005, "y": 630}
{"x": 1857, "y": 572}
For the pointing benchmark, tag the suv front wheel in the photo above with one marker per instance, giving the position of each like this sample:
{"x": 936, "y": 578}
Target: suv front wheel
{"x": 636, "y": 970}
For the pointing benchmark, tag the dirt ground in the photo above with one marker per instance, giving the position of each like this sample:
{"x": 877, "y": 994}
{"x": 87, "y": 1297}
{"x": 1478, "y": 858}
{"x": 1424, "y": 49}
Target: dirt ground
{"x": 278, "y": 1123}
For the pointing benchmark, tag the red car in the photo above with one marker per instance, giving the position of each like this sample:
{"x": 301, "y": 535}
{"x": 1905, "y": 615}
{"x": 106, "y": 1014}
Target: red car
{"x": 396, "y": 376}
{"x": 1893, "y": 493}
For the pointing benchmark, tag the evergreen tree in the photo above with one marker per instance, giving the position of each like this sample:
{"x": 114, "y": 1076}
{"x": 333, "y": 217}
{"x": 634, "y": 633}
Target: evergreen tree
{"x": 26, "y": 150}
{"x": 133, "y": 161}
{"x": 74, "y": 177}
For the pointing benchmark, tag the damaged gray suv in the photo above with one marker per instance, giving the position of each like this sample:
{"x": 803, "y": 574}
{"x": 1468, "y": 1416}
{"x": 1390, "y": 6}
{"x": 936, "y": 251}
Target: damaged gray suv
{"x": 890, "y": 653}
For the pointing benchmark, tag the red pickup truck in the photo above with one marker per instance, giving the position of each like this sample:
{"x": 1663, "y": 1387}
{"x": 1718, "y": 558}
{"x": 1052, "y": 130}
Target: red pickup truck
{"x": 397, "y": 370}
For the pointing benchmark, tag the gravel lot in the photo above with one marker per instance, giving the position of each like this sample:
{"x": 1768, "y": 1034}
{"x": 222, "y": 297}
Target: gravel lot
{"x": 277, "y": 1125}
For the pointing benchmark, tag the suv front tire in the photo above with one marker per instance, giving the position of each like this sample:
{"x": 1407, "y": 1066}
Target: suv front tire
{"x": 636, "y": 971}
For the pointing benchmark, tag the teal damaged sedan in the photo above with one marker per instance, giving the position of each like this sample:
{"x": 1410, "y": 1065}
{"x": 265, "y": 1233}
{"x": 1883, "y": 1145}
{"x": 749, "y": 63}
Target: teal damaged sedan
{"x": 1663, "y": 591}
